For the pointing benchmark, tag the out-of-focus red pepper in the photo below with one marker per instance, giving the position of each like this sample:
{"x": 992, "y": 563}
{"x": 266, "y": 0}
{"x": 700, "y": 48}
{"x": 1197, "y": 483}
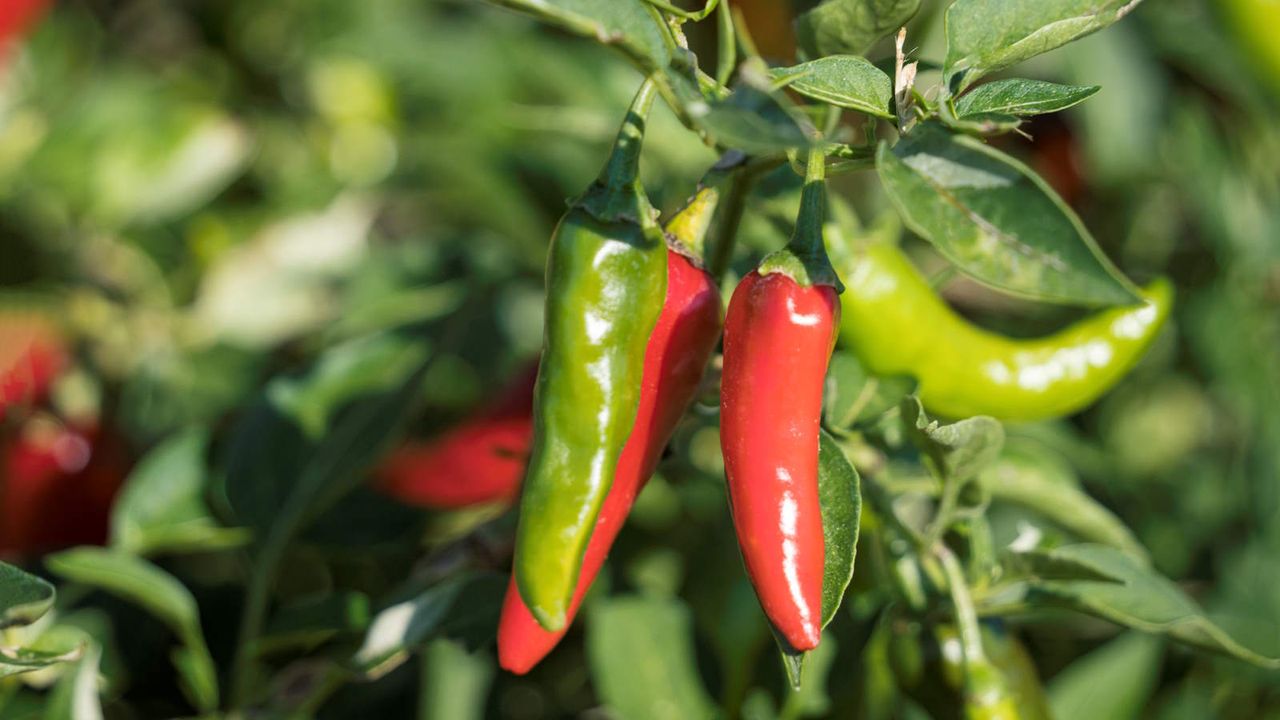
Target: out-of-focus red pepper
{"x": 15, "y": 17}
{"x": 57, "y": 483}
{"x": 677, "y": 353}
{"x": 32, "y": 355}
{"x": 480, "y": 461}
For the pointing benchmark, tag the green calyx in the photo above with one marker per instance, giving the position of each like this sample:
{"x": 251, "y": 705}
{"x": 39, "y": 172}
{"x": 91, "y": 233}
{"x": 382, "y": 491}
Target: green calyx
{"x": 804, "y": 259}
{"x": 687, "y": 230}
{"x": 617, "y": 195}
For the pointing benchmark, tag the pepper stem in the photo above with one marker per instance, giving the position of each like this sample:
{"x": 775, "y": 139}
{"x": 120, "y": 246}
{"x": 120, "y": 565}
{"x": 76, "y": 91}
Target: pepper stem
{"x": 804, "y": 258}
{"x": 623, "y": 168}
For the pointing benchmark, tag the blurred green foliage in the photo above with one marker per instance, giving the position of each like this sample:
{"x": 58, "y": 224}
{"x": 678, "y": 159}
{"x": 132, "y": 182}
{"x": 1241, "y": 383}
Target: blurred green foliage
{"x": 215, "y": 196}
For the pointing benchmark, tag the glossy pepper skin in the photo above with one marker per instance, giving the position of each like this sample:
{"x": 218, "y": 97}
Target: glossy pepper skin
{"x": 897, "y": 325}
{"x": 677, "y": 353}
{"x": 482, "y": 460}
{"x": 606, "y": 282}
{"x": 778, "y": 337}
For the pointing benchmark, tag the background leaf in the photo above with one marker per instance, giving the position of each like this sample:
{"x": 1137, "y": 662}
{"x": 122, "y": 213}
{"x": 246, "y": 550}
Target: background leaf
{"x": 162, "y": 506}
{"x": 140, "y": 582}
{"x": 631, "y": 25}
{"x": 986, "y": 35}
{"x": 851, "y": 26}
{"x": 960, "y": 449}
{"x": 1143, "y": 600}
{"x": 854, "y": 396}
{"x": 997, "y": 220}
{"x": 1113, "y": 682}
{"x": 657, "y": 677}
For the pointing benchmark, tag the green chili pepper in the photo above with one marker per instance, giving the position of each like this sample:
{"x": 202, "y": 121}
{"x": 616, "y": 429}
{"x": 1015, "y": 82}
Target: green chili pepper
{"x": 898, "y": 325}
{"x": 930, "y": 667}
{"x": 606, "y": 282}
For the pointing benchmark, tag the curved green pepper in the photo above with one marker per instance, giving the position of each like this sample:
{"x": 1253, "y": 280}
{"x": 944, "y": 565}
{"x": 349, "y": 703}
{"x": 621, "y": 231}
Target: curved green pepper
{"x": 897, "y": 325}
{"x": 606, "y": 282}
{"x": 930, "y": 667}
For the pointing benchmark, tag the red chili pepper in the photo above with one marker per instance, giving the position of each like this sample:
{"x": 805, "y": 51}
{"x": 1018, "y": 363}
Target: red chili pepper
{"x": 676, "y": 354}
{"x": 480, "y": 461}
{"x": 32, "y": 355}
{"x": 57, "y": 483}
{"x": 779, "y": 332}
{"x": 16, "y": 16}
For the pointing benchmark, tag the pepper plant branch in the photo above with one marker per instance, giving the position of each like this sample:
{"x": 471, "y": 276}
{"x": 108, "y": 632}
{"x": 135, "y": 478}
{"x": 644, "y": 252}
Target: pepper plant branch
{"x": 966, "y": 616}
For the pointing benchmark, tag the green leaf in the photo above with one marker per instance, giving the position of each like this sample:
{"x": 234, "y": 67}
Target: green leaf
{"x": 1017, "y": 96}
{"x": 752, "y": 119}
{"x": 455, "y": 682}
{"x": 1049, "y": 564}
{"x": 75, "y": 697}
{"x": 15, "y": 661}
{"x": 959, "y": 450}
{"x": 1114, "y": 682}
{"x": 162, "y": 507}
{"x": 1141, "y": 599}
{"x": 308, "y": 441}
{"x": 854, "y": 396}
{"x": 987, "y": 35}
{"x": 1033, "y": 481}
{"x": 24, "y": 598}
{"x": 449, "y": 608}
{"x": 633, "y": 26}
{"x": 851, "y": 26}
{"x": 848, "y": 81}
{"x": 983, "y": 123}
{"x": 642, "y": 659}
{"x": 841, "y": 499}
{"x": 997, "y": 220}
{"x": 311, "y": 621}
{"x": 158, "y": 592}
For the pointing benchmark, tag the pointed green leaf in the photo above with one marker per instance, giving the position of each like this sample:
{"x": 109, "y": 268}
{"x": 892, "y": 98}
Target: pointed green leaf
{"x": 854, "y": 396}
{"x": 997, "y": 220}
{"x": 656, "y": 676}
{"x": 841, "y": 498}
{"x": 16, "y": 661}
{"x": 162, "y": 506}
{"x": 158, "y": 592}
{"x": 75, "y": 697}
{"x": 23, "y": 596}
{"x": 851, "y": 26}
{"x": 847, "y": 81}
{"x": 1140, "y": 599}
{"x": 450, "y": 608}
{"x": 961, "y": 449}
{"x": 630, "y": 25}
{"x": 751, "y": 119}
{"x": 1032, "y": 480}
{"x": 1017, "y": 96}
{"x": 987, "y": 35}
{"x": 307, "y": 441}
{"x": 1114, "y": 682}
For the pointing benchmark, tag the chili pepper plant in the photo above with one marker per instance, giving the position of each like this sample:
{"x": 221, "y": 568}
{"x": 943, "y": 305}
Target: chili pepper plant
{"x": 639, "y": 359}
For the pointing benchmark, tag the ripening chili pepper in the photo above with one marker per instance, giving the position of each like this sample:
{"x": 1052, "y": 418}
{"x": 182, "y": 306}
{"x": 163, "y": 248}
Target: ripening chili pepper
{"x": 929, "y": 666}
{"x": 778, "y": 337}
{"x": 677, "y": 353}
{"x": 897, "y": 325}
{"x": 57, "y": 483}
{"x": 482, "y": 460}
{"x": 16, "y": 16}
{"x": 32, "y": 355}
{"x": 606, "y": 281}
